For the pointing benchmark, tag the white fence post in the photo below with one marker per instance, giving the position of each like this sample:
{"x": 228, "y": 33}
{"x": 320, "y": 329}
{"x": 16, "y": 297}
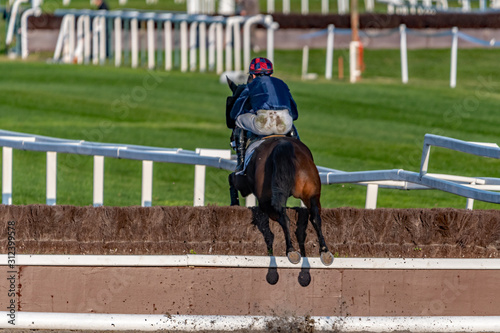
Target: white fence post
{"x": 51, "y": 178}
{"x": 200, "y": 170}
{"x": 369, "y": 5}
{"x": 305, "y": 61}
{"x": 371, "y": 196}
{"x": 193, "y": 34}
{"x": 102, "y": 40}
{"x": 98, "y": 180}
{"x": 211, "y": 46}
{"x": 151, "y": 43}
{"x": 199, "y": 185}
{"x": 304, "y": 7}
{"x": 329, "y": 51}
{"x": 324, "y": 7}
{"x": 134, "y": 42}
{"x": 184, "y": 46}
{"x": 192, "y": 7}
{"x": 270, "y": 6}
{"x": 168, "y": 45}
{"x": 354, "y": 72}
{"x": 12, "y": 22}
{"x": 454, "y": 45}
{"x": 343, "y": 6}
{"x": 220, "y": 48}
{"x": 286, "y": 7}
{"x": 404, "y": 56}
{"x": 69, "y": 46}
{"x": 95, "y": 40}
{"x": 87, "y": 38}
{"x": 470, "y": 202}
{"x": 147, "y": 184}
{"x": 229, "y": 44}
{"x": 118, "y": 41}
{"x": 482, "y": 5}
{"x": 203, "y": 46}
{"x": 7, "y": 176}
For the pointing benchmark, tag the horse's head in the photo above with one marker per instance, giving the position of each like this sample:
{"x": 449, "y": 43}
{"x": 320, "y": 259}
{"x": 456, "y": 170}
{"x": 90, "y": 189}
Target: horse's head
{"x": 237, "y": 90}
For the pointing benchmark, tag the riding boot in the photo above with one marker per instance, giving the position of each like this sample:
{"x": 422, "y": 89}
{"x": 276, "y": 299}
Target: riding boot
{"x": 239, "y": 139}
{"x": 293, "y": 133}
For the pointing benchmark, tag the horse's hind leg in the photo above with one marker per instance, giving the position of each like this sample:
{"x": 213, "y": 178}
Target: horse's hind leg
{"x": 300, "y": 232}
{"x": 315, "y": 217}
{"x": 283, "y": 220}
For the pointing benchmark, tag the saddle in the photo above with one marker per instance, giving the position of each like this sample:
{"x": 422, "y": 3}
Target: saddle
{"x": 252, "y": 145}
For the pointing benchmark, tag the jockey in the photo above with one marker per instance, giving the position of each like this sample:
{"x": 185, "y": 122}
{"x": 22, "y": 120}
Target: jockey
{"x": 265, "y": 107}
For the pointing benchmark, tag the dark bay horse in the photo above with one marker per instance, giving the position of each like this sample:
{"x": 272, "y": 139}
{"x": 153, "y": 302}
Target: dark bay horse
{"x": 279, "y": 168}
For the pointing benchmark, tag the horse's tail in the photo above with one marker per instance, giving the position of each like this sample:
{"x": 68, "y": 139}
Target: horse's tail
{"x": 283, "y": 178}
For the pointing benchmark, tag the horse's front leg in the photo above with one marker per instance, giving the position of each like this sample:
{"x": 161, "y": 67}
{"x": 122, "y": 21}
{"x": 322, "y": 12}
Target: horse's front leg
{"x": 233, "y": 192}
{"x": 292, "y": 255}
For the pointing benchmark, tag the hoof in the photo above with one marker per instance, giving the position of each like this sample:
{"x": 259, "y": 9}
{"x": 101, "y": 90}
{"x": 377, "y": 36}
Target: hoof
{"x": 294, "y": 257}
{"x": 326, "y": 258}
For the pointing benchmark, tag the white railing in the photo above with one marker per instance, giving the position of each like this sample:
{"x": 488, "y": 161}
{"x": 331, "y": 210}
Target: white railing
{"x": 472, "y": 188}
{"x": 404, "y": 7}
{"x": 228, "y": 7}
{"x": 403, "y": 32}
{"x": 198, "y": 34}
{"x": 226, "y": 323}
{"x": 201, "y": 158}
{"x": 12, "y": 22}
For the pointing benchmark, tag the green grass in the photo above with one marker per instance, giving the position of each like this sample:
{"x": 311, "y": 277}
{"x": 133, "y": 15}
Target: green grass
{"x": 376, "y": 124}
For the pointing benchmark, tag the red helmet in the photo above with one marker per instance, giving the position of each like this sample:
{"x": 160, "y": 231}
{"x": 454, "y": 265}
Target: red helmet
{"x": 261, "y": 66}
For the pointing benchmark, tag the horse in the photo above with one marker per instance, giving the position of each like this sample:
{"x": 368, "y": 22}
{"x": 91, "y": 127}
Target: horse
{"x": 281, "y": 167}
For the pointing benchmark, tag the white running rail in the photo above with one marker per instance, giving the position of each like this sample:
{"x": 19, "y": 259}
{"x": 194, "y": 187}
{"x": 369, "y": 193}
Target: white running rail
{"x": 472, "y": 188}
{"x": 202, "y": 157}
{"x": 205, "y": 34}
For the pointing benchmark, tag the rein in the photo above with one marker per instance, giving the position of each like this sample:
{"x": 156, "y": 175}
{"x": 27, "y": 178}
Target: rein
{"x": 274, "y": 136}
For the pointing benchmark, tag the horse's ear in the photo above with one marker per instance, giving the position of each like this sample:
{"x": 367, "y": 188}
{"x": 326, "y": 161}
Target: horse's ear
{"x": 231, "y": 84}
